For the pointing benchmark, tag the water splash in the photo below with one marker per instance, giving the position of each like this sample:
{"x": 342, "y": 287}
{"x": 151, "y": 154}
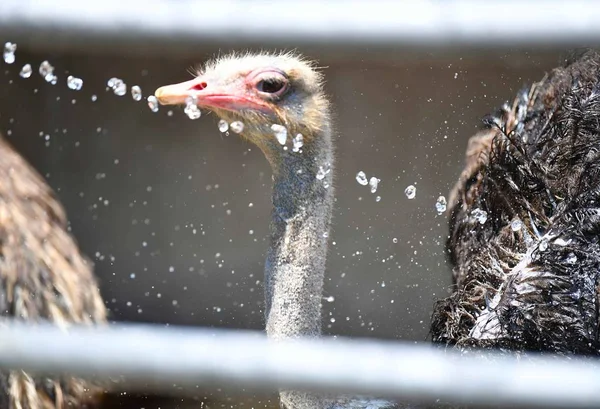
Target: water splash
{"x": 237, "y": 127}
{"x": 152, "y": 103}
{"x": 373, "y": 183}
{"x": 191, "y": 108}
{"x": 223, "y": 126}
{"x": 323, "y": 171}
{"x": 516, "y": 225}
{"x": 280, "y": 133}
{"x": 118, "y": 86}
{"x": 9, "y": 52}
{"x": 26, "y": 71}
{"x": 441, "y": 204}
{"x": 298, "y": 142}
{"x": 136, "y": 93}
{"x": 361, "y": 178}
{"x": 46, "y": 70}
{"x": 410, "y": 192}
{"x": 479, "y": 215}
{"x": 74, "y": 83}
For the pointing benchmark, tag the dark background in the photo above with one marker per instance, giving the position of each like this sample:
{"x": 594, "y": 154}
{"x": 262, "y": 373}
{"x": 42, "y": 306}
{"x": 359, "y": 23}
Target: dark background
{"x": 175, "y": 215}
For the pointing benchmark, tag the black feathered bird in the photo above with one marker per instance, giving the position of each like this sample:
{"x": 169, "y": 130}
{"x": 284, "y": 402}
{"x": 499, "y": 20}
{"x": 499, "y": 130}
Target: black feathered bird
{"x": 527, "y": 277}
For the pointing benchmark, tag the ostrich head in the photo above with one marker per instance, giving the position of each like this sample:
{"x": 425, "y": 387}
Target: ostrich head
{"x": 259, "y": 90}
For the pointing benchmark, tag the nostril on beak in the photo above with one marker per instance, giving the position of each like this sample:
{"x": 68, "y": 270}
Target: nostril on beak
{"x": 200, "y": 86}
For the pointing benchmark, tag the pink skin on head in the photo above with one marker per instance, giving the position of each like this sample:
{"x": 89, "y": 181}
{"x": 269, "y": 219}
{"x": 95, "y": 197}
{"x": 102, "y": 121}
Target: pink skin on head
{"x": 237, "y": 96}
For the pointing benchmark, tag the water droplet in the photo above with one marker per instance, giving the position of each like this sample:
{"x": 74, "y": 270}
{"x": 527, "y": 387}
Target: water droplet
{"x": 9, "y": 58}
{"x": 298, "y": 142}
{"x": 9, "y": 52}
{"x": 152, "y": 103}
{"x": 479, "y": 215}
{"x": 237, "y": 127}
{"x": 26, "y": 71}
{"x": 280, "y": 133}
{"x": 223, "y": 126}
{"x": 120, "y": 89}
{"x": 136, "y": 93}
{"x": 191, "y": 108}
{"x": 543, "y": 245}
{"x": 94, "y": 98}
{"x": 373, "y": 183}
{"x": 378, "y": 199}
{"x": 331, "y": 298}
{"x": 325, "y": 235}
{"x": 571, "y": 258}
{"x": 394, "y": 240}
{"x": 118, "y": 86}
{"x": 47, "y": 71}
{"x": 74, "y": 83}
{"x": 361, "y": 178}
{"x": 410, "y": 192}
{"x": 323, "y": 171}
{"x": 516, "y": 225}
{"x": 441, "y": 204}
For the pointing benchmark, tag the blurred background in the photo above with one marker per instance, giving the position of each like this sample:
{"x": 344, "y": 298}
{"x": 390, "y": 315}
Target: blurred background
{"x": 175, "y": 214}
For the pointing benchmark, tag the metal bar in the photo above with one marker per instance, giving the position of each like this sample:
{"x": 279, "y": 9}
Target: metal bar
{"x": 168, "y": 25}
{"x": 191, "y": 358}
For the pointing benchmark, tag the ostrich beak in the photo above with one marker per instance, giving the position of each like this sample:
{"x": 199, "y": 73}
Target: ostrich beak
{"x": 210, "y": 95}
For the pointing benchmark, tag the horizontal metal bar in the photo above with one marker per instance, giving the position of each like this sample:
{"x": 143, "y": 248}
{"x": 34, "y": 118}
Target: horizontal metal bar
{"x": 190, "y": 358}
{"x": 168, "y": 25}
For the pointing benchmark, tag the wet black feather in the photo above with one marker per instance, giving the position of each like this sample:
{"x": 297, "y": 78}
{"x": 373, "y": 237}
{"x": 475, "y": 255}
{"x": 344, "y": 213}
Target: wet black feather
{"x": 527, "y": 279}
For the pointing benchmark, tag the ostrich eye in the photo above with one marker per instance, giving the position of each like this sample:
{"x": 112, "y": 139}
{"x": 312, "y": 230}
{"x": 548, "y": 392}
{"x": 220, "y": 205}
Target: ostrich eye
{"x": 269, "y": 82}
{"x": 271, "y": 85}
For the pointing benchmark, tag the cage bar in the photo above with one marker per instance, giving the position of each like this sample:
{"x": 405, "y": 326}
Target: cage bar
{"x": 183, "y": 24}
{"x": 155, "y": 356}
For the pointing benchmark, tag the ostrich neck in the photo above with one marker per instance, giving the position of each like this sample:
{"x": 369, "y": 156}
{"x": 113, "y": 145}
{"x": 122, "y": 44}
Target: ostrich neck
{"x": 295, "y": 265}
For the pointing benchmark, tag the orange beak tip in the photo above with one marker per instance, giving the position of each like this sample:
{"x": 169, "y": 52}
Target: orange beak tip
{"x": 160, "y": 95}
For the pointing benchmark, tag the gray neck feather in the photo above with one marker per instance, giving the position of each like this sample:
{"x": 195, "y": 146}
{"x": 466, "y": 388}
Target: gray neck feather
{"x": 295, "y": 265}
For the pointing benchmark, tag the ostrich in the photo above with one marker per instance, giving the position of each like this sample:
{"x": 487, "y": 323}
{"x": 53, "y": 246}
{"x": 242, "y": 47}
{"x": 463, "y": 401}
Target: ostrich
{"x": 280, "y": 98}
{"x": 527, "y": 278}
{"x": 43, "y": 277}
